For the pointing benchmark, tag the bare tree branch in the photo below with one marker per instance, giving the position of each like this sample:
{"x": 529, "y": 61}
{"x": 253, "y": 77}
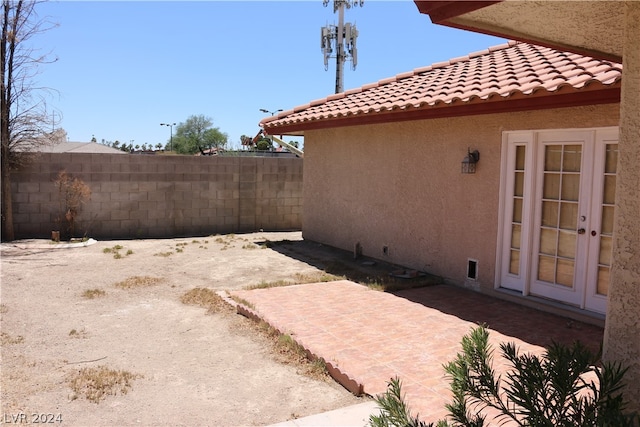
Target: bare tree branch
{"x": 26, "y": 123}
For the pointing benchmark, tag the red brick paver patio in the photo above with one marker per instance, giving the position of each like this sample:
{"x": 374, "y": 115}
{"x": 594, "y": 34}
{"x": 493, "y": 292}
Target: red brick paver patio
{"x": 367, "y": 336}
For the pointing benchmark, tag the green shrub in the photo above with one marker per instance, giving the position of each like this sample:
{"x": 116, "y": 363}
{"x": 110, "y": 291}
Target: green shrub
{"x": 394, "y": 411}
{"x": 556, "y": 389}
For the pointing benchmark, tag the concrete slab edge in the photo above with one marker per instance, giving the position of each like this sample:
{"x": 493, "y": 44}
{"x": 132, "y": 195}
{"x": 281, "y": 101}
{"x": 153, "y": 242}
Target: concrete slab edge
{"x": 46, "y": 244}
{"x": 350, "y": 416}
{"x": 341, "y": 377}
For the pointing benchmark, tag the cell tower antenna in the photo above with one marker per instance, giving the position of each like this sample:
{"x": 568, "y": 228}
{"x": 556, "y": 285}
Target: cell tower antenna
{"x": 343, "y": 37}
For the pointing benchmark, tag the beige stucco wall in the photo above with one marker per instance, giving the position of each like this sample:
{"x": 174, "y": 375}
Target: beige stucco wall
{"x": 399, "y": 185}
{"x": 622, "y": 330}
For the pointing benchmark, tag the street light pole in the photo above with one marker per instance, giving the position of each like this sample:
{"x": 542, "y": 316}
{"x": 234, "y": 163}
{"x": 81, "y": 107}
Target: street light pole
{"x": 171, "y": 125}
{"x": 264, "y": 110}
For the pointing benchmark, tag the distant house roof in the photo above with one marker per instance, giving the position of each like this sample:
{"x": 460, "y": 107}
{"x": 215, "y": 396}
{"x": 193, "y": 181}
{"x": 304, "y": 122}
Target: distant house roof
{"x": 80, "y": 147}
{"x": 510, "y": 77}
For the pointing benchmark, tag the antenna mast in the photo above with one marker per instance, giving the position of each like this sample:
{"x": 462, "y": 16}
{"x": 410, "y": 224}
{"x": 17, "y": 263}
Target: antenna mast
{"x": 344, "y": 35}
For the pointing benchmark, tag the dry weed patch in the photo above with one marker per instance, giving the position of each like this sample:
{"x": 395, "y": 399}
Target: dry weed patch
{"x": 206, "y": 298}
{"x": 115, "y": 250}
{"x": 95, "y": 384}
{"x": 243, "y": 301}
{"x": 75, "y": 333}
{"x": 226, "y": 242}
{"x": 138, "y": 282}
{"x": 93, "y": 293}
{"x": 290, "y": 352}
{"x": 298, "y": 279}
{"x": 8, "y": 339}
{"x": 163, "y": 254}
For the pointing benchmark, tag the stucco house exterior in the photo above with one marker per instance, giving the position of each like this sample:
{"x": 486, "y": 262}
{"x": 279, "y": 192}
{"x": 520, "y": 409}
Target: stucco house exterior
{"x": 607, "y": 30}
{"x": 550, "y": 216}
{"x": 383, "y": 170}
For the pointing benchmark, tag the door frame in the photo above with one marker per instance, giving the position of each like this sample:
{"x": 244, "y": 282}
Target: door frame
{"x": 521, "y": 283}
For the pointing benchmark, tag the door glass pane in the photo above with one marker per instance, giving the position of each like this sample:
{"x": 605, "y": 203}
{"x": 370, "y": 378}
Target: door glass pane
{"x": 517, "y": 204}
{"x": 548, "y": 241}
{"x": 603, "y": 280}
{"x": 558, "y": 235}
{"x": 570, "y": 186}
{"x": 606, "y": 225}
{"x": 550, "y": 214}
{"x": 546, "y": 269}
{"x": 515, "y": 236}
{"x": 551, "y": 188}
{"x": 517, "y": 210}
{"x": 567, "y": 244}
{"x": 568, "y": 216}
{"x": 518, "y": 187}
{"x": 552, "y": 157}
{"x": 611, "y": 158}
{"x": 605, "y": 250}
{"x": 520, "y": 151}
{"x": 572, "y": 158}
{"x": 514, "y": 262}
{"x": 609, "y": 196}
{"x": 564, "y": 275}
{"x": 607, "y": 220}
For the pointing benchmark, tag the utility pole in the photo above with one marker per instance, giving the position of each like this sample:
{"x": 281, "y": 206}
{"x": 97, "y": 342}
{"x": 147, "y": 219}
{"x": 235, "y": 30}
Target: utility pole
{"x": 343, "y": 36}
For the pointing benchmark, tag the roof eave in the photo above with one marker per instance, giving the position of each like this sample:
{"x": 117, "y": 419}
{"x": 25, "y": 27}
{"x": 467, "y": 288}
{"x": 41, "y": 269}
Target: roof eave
{"x": 441, "y": 11}
{"x": 609, "y": 95}
{"x": 461, "y": 15}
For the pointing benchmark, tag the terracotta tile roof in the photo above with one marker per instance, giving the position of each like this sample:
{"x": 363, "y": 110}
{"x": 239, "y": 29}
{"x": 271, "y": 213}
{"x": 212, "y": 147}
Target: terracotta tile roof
{"x": 507, "y": 72}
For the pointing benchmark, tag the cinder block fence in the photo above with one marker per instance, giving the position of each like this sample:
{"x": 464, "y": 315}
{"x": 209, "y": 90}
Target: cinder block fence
{"x": 141, "y": 196}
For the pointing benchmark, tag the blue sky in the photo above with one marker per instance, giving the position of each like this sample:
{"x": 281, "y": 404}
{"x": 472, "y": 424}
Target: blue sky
{"x": 125, "y": 67}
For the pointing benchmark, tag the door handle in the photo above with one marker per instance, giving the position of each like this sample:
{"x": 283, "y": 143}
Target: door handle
{"x": 581, "y": 231}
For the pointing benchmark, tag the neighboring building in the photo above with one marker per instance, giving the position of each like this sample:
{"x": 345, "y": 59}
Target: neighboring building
{"x": 79, "y": 147}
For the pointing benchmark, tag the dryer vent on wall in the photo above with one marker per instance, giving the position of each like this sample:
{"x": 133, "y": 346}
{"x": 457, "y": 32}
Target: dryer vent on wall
{"x": 472, "y": 269}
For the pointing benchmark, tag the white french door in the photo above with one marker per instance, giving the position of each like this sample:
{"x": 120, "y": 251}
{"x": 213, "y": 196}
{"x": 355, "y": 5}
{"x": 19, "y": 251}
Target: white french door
{"x": 558, "y": 191}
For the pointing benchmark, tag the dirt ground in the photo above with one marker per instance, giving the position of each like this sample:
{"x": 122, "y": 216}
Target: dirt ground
{"x": 189, "y": 367}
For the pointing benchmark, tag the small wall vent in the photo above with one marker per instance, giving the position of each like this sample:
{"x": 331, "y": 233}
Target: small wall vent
{"x": 472, "y": 269}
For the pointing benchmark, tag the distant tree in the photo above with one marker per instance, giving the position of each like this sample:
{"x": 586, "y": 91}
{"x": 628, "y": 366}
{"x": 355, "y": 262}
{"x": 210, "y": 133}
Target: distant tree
{"x": 264, "y": 144}
{"x": 197, "y": 134}
{"x": 246, "y": 141}
{"x": 137, "y": 147}
{"x": 23, "y": 110}
{"x": 213, "y": 138}
{"x": 158, "y": 146}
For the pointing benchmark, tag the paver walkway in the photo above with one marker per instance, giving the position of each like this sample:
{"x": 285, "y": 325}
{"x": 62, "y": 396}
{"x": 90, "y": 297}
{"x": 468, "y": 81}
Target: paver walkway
{"x": 367, "y": 336}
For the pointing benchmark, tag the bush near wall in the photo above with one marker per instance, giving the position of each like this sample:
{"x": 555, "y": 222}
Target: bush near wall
{"x": 147, "y": 196}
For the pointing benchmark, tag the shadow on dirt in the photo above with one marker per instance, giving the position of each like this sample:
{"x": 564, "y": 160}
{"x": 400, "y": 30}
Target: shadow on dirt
{"x": 364, "y": 270}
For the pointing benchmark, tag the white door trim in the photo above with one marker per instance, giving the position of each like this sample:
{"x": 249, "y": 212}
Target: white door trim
{"x": 594, "y": 139}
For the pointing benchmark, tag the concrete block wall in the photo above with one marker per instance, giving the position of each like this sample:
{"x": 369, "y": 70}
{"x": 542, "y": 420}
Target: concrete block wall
{"x": 143, "y": 196}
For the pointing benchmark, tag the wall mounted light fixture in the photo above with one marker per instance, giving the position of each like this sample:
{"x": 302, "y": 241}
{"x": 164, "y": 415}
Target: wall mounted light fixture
{"x": 470, "y": 160}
